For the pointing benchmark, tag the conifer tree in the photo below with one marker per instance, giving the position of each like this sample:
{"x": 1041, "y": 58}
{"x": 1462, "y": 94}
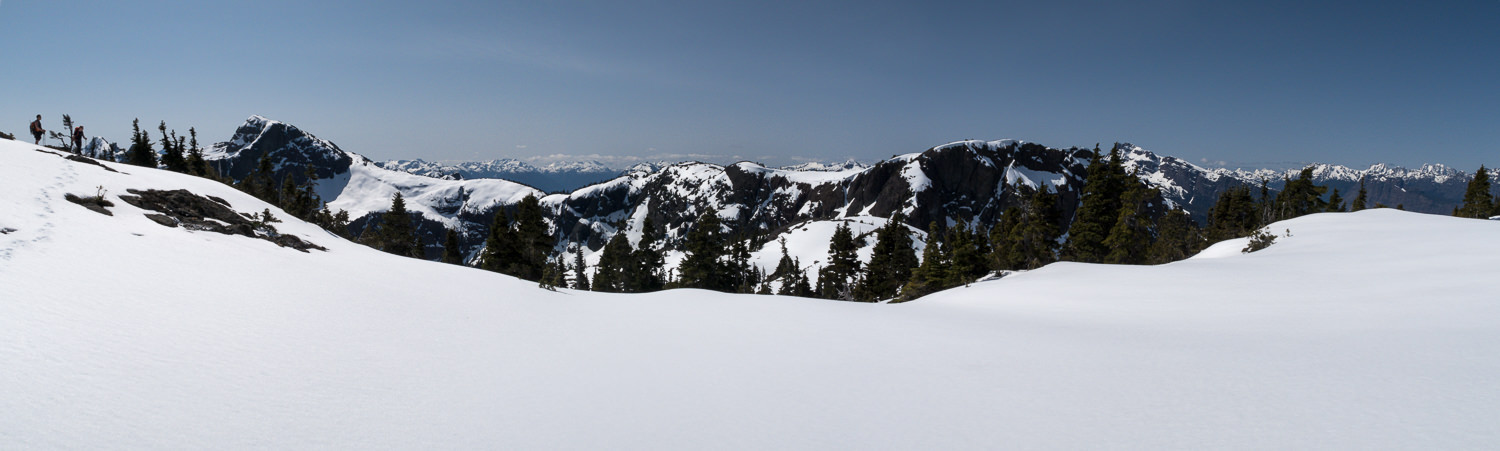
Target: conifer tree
{"x": 1266, "y": 206}
{"x": 501, "y": 251}
{"x": 1034, "y": 240}
{"x": 1005, "y": 255}
{"x": 891, "y": 262}
{"x": 1233, "y": 215}
{"x": 645, "y": 274}
{"x": 171, "y": 158}
{"x": 451, "y": 253}
{"x": 67, "y": 123}
{"x": 1131, "y": 235}
{"x": 580, "y": 274}
{"x": 1098, "y": 210}
{"x": 796, "y": 283}
{"x": 1177, "y": 238}
{"x": 614, "y": 260}
{"x": 836, "y": 279}
{"x": 702, "y": 267}
{"x": 968, "y": 259}
{"x": 533, "y": 240}
{"x": 553, "y": 274}
{"x": 785, "y": 266}
{"x": 930, "y": 276}
{"x": 140, "y": 151}
{"x": 1359, "y": 199}
{"x": 1300, "y": 197}
{"x": 261, "y": 182}
{"x": 1478, "y": 202}
{"x": 397, "y": 235}
{"x": 196, "y": 165}
{"x": 1335, "y": 202}
{"x": 740, "y": 272}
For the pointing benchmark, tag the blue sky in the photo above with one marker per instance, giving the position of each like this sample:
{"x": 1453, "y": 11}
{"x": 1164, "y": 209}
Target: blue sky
{"x": 1241, "y": 82}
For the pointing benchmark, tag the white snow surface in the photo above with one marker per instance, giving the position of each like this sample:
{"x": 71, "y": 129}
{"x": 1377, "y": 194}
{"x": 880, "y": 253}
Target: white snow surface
{"x": 1377, "y": 329}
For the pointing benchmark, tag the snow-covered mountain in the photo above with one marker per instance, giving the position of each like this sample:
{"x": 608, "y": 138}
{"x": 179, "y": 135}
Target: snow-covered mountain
{"x": 552, "y": 177}
{"x": 1431, "y": 188}
{"x": 1376, "y": 329}
{"x": 846, "y": 165}
{"x": 353, "y": 183}
{"x": 959, "y": 182}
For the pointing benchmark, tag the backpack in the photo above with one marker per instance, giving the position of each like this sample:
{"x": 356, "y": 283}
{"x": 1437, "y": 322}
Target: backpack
{"x": 36, "y": 127}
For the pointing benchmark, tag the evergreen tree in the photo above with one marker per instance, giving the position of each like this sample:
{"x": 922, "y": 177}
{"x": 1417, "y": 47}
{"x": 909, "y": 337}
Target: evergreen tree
{"x": 932, "y": 274}
{"x": 796, "y": 283}
{"x": 1034, "y": 240}
{"x": 261, "y": 182}
{"x": 836, "y": 279}
{"x": 969, "y": 256}
{"x": 645, "y": 272}
{"x": 1478, "y": 202}
{"x": 614, "y": 261}
{"x": 397, "y": 235}
{"x": 1177, "y": 238}
{"x": 1131, "y": 235}
{"x": 553, "y": 274}
{"x": 580, "y": 274}
{"x": 501, "y": 251}
{"x": 785, "y": 266}
{"x": 702, "y": 266}
{"x": 1300, "y": 197}
{"x": 1335, "y": 202}
{"x": 1233, "y": 215}
{"x": 891, "y": 263}
{"x": 740, "y": 272}
{"x": 1266, "y": 206}
{"x": 1098, "y": 210}
{"x": 1359, "y": 199}
{"x": 1003, "y": 240}
{"x": 140, "y": 152}
{"x": 451, "y": 253}
{"x": 533, "y": 240}
{"x": 196, "y": 165}
{"x": 171, "y": 158}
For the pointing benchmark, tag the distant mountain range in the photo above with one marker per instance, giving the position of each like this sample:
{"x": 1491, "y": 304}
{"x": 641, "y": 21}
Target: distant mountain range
{"x": 964, "y": 181}
{"x": 559, "y": 176}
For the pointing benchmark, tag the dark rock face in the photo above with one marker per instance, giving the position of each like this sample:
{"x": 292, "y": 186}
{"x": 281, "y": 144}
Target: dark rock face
{"x": 290, "y": 149}
{"x": 193, "y": 212}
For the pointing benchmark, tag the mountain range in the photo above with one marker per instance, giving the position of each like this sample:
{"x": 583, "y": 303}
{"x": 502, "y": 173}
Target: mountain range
{"x": 960, "y": 182}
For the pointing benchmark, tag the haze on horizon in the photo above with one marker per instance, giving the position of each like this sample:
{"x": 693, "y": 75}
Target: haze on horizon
{"x": 1242, "y": 83}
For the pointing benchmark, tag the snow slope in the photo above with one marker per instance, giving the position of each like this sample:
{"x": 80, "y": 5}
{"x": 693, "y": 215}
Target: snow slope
{"x": 1378, "y": 329}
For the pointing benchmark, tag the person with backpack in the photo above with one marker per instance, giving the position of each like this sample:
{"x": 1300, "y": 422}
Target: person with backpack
{"x": 37, "y": 130}
{"x": 78, "y": 140}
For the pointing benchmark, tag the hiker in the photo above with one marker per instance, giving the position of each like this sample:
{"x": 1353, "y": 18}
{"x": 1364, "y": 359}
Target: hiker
{"x": 78, "y": 140}
{"x": 37, "y": 130}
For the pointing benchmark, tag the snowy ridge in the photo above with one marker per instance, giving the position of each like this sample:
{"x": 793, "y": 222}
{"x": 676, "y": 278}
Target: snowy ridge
{"x": 254, "y": 346}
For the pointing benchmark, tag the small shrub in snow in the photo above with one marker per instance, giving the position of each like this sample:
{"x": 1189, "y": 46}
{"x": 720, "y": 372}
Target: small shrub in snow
{"x": 1262, "y": 239}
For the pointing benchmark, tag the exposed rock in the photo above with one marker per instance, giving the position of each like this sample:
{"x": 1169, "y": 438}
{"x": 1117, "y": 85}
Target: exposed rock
{"x": 96, "y": 204}
{"x": 87, "y": 160}
{"x": 194, "y": 212}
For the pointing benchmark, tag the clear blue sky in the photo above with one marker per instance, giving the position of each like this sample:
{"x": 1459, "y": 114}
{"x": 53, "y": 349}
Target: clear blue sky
{"x": 1351, "y": 83}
